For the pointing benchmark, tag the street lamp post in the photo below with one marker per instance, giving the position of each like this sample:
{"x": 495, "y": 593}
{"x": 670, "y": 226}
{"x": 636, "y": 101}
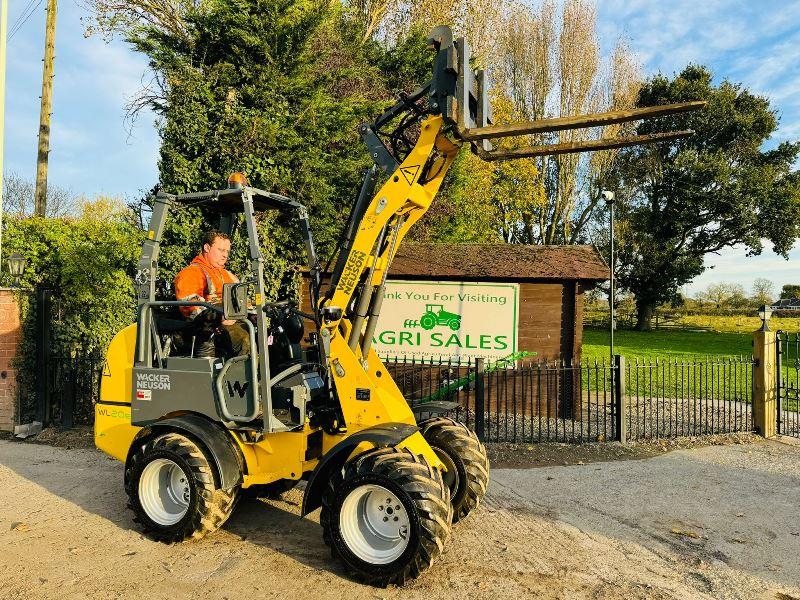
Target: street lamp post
{"x": 608, "y": 196}
{"x": 16, "y": 266}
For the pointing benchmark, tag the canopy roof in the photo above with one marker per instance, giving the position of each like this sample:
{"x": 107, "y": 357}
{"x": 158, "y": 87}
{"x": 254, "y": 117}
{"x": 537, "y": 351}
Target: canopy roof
{"x": 230, "y": 200}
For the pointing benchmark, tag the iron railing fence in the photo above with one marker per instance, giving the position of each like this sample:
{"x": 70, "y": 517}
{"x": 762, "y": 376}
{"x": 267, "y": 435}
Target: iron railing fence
{"x": 521, "y": 402}
{"x": 429, "y": 382}
{"x": 580, "y": 401}
{"x": 682, "y": 397}
{"x": 526, "y": 402}
{"x": 571, "y": 402}
{"x": 788, "y": 373}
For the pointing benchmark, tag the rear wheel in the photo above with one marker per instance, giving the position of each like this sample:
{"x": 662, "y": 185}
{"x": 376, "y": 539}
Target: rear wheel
{"x": 466, "y": 461}
{"x": 171, "y": 490}
{"x": 386, "y": 515}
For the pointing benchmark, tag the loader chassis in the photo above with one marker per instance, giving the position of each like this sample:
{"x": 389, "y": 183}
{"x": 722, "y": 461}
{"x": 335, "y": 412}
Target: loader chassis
{"x": 195, "y": 432}
{"x": 366, "y": 394}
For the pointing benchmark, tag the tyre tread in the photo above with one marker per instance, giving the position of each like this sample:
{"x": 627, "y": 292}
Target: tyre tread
{"x": 214, "y": 505}
{"x": 422, "y": 483}
{"x": 456, "y": 438}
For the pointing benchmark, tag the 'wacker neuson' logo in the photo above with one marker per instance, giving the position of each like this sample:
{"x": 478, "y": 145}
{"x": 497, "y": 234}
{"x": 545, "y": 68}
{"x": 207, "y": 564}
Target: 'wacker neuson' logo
{"x": 352, "y": 271}
{"x": 152, "y": 381}
{"x": 432, "y": 320}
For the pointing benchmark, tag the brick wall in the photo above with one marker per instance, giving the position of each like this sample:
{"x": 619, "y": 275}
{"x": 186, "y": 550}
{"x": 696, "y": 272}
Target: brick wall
{"x": 9, "y": 340}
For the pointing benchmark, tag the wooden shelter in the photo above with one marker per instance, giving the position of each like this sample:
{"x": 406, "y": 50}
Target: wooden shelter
{"x": 552, "y": 281}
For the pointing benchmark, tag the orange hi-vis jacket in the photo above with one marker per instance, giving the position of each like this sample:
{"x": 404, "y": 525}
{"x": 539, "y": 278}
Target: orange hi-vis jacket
{"x": 201, "y": 282}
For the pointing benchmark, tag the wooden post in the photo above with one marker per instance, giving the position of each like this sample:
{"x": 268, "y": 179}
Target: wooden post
{"x": 765, "y": 382}
{"x": 40, "y": 205}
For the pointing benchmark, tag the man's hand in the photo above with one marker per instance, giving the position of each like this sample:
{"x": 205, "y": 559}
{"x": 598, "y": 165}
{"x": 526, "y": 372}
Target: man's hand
{"x": 209, "y": 318}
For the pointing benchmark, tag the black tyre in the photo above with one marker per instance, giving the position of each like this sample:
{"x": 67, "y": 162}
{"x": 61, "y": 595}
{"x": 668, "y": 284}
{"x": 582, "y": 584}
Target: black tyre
{"x": 171, "y": 490}
{"x": 466, "y": 461}
{"x": 386, "y": 515}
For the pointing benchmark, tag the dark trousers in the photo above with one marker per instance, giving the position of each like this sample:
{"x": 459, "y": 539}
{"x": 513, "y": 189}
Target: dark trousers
{"x": 226, "y": 341}
{"x": 237, "y": 339}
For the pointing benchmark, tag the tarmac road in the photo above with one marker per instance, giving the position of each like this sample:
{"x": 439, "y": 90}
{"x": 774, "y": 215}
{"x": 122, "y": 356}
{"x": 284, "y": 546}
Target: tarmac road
{"x": 713, "y": 522}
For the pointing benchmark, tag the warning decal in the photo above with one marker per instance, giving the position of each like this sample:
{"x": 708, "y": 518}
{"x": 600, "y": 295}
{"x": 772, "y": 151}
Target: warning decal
{"x": 410, "y": 173}
{"x": 144, "y": 394}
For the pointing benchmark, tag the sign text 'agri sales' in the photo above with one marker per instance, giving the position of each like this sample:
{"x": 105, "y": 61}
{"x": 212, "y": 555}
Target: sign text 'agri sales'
{"x": 428, "y": 320}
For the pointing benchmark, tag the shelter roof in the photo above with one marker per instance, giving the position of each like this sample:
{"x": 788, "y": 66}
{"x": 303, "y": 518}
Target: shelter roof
{"x": 498, "y": 261}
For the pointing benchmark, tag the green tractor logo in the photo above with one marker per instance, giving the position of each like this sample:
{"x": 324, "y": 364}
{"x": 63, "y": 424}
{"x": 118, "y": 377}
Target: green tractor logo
{"x": 435, "y": 314}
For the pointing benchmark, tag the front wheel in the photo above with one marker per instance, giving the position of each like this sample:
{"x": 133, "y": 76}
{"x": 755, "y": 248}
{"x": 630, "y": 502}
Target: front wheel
{"x": 171, "y": 490}
{"x": 464, "y": 456}
{"x": 386, "y": 515}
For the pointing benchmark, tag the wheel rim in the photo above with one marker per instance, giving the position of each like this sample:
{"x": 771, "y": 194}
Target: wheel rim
{"x": 451, "y": 478}
{"x": 374, "y": 524}
{"x": 164, "y": 491}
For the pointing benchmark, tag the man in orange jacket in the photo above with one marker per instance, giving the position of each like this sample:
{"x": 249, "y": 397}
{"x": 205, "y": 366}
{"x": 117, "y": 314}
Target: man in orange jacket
{"x": 202, "y": 280}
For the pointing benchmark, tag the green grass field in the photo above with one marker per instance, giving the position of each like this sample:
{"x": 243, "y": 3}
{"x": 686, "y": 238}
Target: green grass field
{"x": 666, "y": 344}
{"x": 736, "y": 324}
{"x": 710, "y": 322}
{"x": 675, "y": 363}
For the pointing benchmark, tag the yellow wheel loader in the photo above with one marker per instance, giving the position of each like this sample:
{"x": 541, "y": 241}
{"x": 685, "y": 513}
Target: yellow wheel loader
{"x": 194, "y": 432}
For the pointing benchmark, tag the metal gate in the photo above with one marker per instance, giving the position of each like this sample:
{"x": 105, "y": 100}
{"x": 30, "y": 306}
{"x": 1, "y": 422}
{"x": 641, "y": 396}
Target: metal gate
{"x": 788, "y": 367}
{"x": 66, "y": 382}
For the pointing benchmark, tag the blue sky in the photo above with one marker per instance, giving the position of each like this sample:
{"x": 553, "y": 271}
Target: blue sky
{"x": 94, "y": 151}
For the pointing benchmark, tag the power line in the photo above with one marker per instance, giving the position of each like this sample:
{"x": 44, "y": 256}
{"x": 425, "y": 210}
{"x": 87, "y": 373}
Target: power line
{"x": 21, "y": 14}
{"x": 28, "y": 16}
{"x": 23, "y": 18}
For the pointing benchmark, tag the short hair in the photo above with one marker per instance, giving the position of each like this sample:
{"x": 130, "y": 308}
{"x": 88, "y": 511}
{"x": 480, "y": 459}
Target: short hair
{"x": 212, "y": 236}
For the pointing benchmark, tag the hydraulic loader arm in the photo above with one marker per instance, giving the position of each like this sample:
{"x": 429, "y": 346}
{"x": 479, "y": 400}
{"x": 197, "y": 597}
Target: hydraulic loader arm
{"x": 358, "y": 285}
{"x": 415, "y": 143}
{"x": 399, "y": 203}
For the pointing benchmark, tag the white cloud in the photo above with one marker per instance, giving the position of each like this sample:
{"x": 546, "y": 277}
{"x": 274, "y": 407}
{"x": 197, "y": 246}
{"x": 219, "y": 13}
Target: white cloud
{"x": 756, "y": 43}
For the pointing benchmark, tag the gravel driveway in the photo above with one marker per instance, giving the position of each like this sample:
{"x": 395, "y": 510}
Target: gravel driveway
{"x": 714, "y": 522}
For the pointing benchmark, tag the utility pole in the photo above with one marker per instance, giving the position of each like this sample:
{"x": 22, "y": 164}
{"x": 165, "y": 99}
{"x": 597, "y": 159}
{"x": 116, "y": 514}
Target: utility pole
{"x": 3, "y": 40}
{"x": 46, "y": 109}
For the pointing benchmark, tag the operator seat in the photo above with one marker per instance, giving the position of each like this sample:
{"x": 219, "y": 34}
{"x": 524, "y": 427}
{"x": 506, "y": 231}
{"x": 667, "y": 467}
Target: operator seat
{"x": 287, "y": 332}
{"x": 176, "y": 331}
